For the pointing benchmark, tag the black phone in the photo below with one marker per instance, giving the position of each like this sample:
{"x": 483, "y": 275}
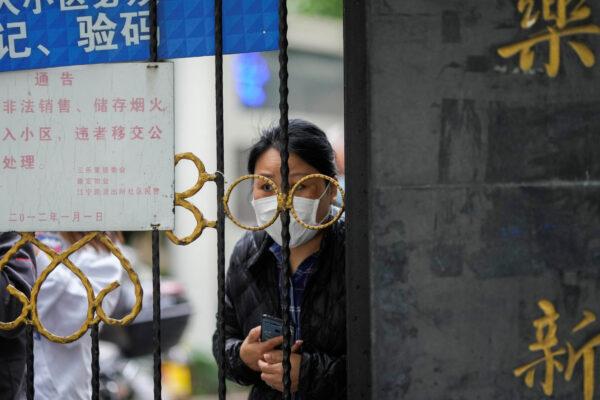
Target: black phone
{"x": 271, "y": 327}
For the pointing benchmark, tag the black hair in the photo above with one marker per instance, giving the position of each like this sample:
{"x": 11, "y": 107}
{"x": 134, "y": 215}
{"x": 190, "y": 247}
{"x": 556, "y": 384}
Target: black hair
{"x": 306, "y": 140}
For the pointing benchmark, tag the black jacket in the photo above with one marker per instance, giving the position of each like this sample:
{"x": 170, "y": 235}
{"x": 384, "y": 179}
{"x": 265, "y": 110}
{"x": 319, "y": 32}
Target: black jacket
{"x": 252, "y": 290}
{"x": 19, "y": 272}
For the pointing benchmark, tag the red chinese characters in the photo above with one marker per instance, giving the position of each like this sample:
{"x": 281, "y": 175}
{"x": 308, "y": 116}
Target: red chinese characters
{"x": 55, "y": 217}
{"x": 118, "y": 133}
{"x": 23, "y": 162}
{"x": 27, "y": 134}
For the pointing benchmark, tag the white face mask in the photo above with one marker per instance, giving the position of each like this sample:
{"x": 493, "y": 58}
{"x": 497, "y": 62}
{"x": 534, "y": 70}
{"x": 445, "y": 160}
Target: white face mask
{"x": 306, "y": 209}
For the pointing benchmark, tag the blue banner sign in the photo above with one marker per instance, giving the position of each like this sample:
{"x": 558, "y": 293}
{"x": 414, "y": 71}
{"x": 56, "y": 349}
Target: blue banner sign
{"x": 53, "y": 33}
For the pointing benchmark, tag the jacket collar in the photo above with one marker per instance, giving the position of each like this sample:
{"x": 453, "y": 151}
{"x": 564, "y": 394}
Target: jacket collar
{"x": 261, "y": 242}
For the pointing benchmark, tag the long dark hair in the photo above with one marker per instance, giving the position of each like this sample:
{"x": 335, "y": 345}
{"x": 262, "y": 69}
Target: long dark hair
{"x": 306, "y": 140}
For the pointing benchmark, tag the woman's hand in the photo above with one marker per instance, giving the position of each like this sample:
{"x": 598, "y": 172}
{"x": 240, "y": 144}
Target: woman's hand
{"x": 272, "y": 368}
{"x": 252, "y": 348}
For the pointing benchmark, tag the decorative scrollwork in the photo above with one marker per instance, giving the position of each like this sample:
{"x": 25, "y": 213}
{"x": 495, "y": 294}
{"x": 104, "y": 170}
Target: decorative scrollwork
{"x": 280, "y": 202}
{"x": 284, "y": 202}
{"x": 181, "y": 200}
{"x": 298, "y": 184}
{"x": 95, "y": 312}
{"x": 94, "y": 305}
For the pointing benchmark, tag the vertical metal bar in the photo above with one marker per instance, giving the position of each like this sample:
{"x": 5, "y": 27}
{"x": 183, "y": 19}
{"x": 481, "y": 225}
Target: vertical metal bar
{"x": 30, "y": 359}
{"x": 358, "y": 194}
{"x": 285, "y": 215}
{"x": 156, "y": 317}
{"x": 156, "y": 313}
{"x": 153, "y": 31}
{"x": 95, "y": 363}
{"x": 220, "y": 193}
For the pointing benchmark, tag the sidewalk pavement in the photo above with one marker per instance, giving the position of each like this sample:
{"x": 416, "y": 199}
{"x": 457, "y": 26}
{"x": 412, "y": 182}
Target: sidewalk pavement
{"x": 230, "y": 396}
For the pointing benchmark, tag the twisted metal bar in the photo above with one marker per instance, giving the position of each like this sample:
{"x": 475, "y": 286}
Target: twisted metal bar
{"x": 153, "y": 31}
{"x": 220, "y": 193}
{"x": 181, "y": 200}
{"x": 156, "y": 314}
{"x": 95, "y": 363}
{"x": 30, "y": 388}
{"x": 94, "y": 302}
{"x": 155, "y": 238}
{"x": 285, "y": 215}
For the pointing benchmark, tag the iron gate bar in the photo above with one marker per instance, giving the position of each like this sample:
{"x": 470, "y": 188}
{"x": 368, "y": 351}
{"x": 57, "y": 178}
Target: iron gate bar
{"x": 30, "y": 385}
{"x": 156, "y": 313}
{"x": 285, "y": 187}
{"x": 95, "y": 361}
{"x": 153, "y": 30}
{"x": 220, "y": 193}
{"x": 156, "y": 323}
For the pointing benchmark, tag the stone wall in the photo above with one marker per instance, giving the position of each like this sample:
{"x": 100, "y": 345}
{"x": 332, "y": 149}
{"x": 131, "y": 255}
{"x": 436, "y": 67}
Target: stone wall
{"x": 483, "y": 198}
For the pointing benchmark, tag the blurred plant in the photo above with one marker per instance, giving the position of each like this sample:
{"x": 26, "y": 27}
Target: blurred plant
{"x": 328, "y": 8}
{"x": 205, "y": 375}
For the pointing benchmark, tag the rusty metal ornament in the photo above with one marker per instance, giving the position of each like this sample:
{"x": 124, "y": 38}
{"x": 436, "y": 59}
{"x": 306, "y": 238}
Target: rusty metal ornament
{"x": 283, "y": 202}
{"x": 94, "y": 303}
{"x": 181, "y": 200}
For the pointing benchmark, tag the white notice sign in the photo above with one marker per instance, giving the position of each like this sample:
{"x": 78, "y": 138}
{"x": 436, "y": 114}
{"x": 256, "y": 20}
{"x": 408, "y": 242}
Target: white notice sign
{"x": 87, "y": 148}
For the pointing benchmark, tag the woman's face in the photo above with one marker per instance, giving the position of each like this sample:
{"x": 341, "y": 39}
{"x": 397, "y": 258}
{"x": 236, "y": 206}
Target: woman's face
{"x": 269, "y": 164}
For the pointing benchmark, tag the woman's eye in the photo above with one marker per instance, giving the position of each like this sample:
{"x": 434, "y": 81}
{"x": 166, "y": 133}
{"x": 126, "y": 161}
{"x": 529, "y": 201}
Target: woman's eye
{"x": 267, "y": 187}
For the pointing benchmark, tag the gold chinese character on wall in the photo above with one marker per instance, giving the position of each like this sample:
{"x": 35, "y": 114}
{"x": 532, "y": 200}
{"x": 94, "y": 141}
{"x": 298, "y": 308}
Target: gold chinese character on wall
{"x": 566, "y": 20}
{"x": 547, "y": 341}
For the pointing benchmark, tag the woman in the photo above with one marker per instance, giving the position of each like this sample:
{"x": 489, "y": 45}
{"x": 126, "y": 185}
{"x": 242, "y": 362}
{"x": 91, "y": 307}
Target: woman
{"x": 63, "y": 371}
{"x": 318, "y": 306}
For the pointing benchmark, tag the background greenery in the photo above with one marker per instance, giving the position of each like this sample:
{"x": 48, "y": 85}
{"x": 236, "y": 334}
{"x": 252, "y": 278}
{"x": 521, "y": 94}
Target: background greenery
{"x": 328, "y": 8}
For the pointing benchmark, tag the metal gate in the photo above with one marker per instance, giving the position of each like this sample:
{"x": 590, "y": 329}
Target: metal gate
{"x": 95, "y": 313}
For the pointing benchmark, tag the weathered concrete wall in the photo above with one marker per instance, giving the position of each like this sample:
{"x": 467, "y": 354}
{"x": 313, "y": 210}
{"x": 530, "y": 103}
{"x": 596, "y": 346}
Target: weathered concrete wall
{"x": 485, "y": 199}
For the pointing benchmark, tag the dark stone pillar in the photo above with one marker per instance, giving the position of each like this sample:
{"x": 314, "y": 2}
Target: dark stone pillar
{"x": 480, "y": 197}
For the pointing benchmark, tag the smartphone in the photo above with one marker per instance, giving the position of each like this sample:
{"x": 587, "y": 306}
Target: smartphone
{"x": 271, "y": 327}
